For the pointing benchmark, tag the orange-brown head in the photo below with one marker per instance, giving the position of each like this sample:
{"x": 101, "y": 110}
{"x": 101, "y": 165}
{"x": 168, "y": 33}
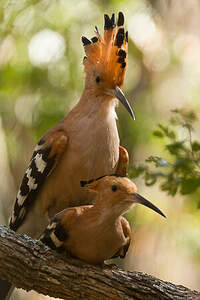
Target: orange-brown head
{"x": 118, "y": 194}
{"x": 106, "y": 59}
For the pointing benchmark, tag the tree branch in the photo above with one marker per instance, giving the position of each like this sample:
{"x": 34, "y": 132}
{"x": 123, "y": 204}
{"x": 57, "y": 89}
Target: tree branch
{"x": 29, "y": 264}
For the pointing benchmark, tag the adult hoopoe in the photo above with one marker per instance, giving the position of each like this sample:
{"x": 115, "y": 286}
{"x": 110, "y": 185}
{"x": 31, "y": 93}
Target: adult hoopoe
{"x": 95, "y": 233}
{"x": 83, "y": 145}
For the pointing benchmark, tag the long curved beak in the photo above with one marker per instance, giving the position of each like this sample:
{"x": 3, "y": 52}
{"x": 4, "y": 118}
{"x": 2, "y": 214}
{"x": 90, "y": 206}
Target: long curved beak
{"x": 117, "y": 92}
{"x": 145, "y": 202}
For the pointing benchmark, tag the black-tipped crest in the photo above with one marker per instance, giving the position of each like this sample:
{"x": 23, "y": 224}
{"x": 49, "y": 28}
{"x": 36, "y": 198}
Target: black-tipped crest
{"x": 103, "y": 52}
{"x": 120, "y": 37}
{"x": 94, "y": 39}
{"x": 85, "y": 41}
{"x": 96, "y": 29}
{"x": 123, "y": 65}
{"x": 120, "y": 60}
{"x": 120, "y": 21}
{"x": 113, "y": 19}
{"x": 109, "y": 22}
{"x": 122, "y": 53}
{"x": 126, "y": 36}
{"x": 85, "y": 182}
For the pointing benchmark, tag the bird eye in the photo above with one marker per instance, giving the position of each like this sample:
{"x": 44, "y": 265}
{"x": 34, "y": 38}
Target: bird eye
{"x": 97, "y": 79}
{"x": 114, "y": 188}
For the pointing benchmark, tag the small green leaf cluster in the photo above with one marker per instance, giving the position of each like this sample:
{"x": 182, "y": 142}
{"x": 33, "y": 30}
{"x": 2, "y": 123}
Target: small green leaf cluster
{"x": 181, "y": 171}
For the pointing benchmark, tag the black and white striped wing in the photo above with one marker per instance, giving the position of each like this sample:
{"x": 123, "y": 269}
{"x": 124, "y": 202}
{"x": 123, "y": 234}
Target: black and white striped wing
{"x": 43, "y": 161}
{"x": 54, "y": 235}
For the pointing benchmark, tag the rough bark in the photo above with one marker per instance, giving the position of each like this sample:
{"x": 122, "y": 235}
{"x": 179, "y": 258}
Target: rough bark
{"x": 30, "y": 265}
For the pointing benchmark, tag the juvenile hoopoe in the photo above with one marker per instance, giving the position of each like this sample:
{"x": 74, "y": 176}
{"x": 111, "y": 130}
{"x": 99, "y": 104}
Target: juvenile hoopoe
{"x": 95, "y": 233}
{"x": 83, "y": 145}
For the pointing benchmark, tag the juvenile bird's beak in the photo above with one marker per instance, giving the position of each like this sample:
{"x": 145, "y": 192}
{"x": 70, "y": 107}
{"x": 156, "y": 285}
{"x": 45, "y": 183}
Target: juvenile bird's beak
{"x": 117, "y": 92}
{"x": 143, "y": 201}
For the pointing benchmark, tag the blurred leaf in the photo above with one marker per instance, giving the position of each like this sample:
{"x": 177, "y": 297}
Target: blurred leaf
{"x": 176, "y": 121}
{"x": 184, "y": 164}
{"x": 158, "y": 133}
{"x": 159, "y": 161}
{"x": 167, "y": 131}
{"x": 136, "y": 171}
{"x": 162, "y": 163}
{"x": 184, "y": 169}
{"x": 187, "y": 115}
{"x": 150, "y": 179}
{"x": 170, "y": 186}
{"x": 189, "y": 186}
{"x": 176, "y": 147}
{"x": 195, "y": 146}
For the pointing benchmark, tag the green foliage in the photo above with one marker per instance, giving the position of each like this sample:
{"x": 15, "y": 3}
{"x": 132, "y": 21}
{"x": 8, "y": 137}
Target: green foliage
{"x": 181, "y": 171}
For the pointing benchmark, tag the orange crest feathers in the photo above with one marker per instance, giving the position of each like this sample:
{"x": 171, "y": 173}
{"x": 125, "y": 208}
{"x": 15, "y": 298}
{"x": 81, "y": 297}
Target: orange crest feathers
{"x": 108, "y": 54}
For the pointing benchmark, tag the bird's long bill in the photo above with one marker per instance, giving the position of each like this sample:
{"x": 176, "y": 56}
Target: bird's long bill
{"x": 147, "y": 203}
{"x": 117, "y": 92}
